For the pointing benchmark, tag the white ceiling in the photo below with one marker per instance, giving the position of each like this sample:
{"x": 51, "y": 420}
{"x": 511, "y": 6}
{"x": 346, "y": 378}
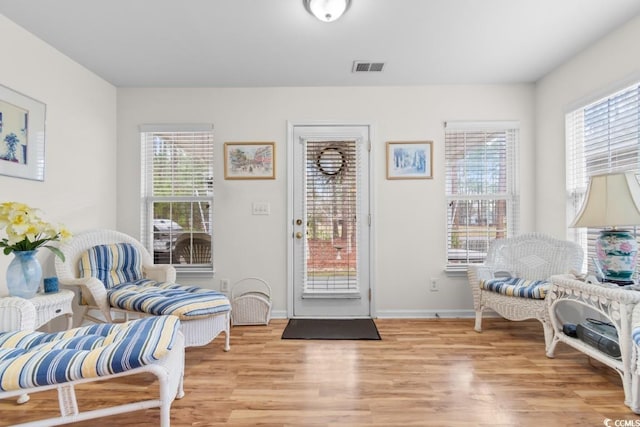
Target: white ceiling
{"x": 247, "y": 43}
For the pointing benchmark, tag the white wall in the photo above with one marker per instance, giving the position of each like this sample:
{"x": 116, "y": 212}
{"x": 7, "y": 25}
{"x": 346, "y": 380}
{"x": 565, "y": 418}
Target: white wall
{"x": 410, "y": 216}
{"x": 605, "y": 66}
{"x": 80, "y": 151}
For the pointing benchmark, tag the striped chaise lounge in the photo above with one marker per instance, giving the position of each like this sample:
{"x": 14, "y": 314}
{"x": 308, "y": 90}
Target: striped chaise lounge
{"x": 116, "y": 274}
{"x": 31, "y": 362}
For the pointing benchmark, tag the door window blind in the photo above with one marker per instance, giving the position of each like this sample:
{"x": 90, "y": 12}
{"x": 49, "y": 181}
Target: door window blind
{"x": 481, "y": 190}
{"x": 332, "y": 179}
{"x": 177, "y": 194}
{"x": 602, "y": 137}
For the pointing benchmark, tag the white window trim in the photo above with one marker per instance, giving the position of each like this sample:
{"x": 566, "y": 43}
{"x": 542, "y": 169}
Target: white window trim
{"x": 512, "y": 196}
{"x": 146, "y": 217}
{"x": 577, "y": 175}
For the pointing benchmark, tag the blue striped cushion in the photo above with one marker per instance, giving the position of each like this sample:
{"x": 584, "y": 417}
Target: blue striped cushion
{"x": 157, "y": 298}
{"x": 513, "y": 286}
{"x": 31, "y": 359}
{"x": 112, "y": 264}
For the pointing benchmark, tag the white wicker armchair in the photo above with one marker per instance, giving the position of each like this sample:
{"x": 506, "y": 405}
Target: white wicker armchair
{"x": 197, "y": 332}
{"x": 532, "y": 256}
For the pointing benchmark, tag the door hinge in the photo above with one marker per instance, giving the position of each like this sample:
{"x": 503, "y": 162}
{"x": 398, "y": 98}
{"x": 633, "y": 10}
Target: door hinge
{"x": 369, "y": 145}
{"x": 369, "y": 219}
{"x": 369, "y": 294}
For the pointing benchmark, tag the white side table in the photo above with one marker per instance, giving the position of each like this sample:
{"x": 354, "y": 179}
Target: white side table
{"x": 616, "y": 306}
{"x": 50, "y": 306}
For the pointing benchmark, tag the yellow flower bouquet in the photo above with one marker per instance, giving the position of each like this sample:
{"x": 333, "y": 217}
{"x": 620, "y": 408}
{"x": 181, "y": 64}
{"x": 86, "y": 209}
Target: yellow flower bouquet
{"x": 27, "y": 231}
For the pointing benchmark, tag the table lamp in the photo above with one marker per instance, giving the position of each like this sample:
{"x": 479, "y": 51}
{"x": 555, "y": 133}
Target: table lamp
{"x": 613, "y": 200}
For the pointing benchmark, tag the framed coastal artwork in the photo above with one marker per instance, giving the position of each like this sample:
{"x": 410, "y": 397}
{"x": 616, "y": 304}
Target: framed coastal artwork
{"x": 21, "y": 135}
{"x": 249, "y": 160}
{"x": 410, "y": 160}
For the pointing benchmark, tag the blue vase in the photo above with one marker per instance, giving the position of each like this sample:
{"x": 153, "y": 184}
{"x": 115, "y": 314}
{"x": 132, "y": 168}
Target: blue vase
{"x": 24, "y": 274}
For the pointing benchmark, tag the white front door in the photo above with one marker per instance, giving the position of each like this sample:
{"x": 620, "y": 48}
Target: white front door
{"x": 330, "y": 223}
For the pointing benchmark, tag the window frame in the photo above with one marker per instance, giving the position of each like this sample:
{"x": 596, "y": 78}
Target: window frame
{"x": 510, "y": 195}
{"x": 148, "y": 199}
{"x": 599, "y": 149}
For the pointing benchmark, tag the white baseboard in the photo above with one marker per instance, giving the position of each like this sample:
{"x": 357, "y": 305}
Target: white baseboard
{"x": 425, "y": 314}
{"x": 279, "y": 314}
{"x": 410, "y": 314}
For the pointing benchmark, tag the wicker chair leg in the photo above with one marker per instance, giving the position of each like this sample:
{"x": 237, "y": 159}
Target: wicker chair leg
{"x": 81, "y": 316}
{"x": 548, "y": 333}
{"x": 478, "y": 326}
{"x": 227, "y": 331}
{"x": 180, "y": 392}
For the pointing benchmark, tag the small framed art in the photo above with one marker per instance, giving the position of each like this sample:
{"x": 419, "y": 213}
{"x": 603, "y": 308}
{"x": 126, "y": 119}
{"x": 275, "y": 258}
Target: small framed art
{"x": 21, "y": 135}
{"x": 249, "y": 160}
{"x": 410, "y": 160}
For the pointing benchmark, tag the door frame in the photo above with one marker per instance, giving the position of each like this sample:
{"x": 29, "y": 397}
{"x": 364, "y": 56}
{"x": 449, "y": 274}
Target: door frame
{"x": 291, "y": 125}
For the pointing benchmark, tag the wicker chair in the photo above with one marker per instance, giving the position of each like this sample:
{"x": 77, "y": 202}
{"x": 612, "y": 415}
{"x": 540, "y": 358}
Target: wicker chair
{"x": 198, "y": 331}
{"x": 533, "y": 257}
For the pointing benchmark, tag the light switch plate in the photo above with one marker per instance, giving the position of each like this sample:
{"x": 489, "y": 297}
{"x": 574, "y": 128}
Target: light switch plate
{"x": 260, "y": 208}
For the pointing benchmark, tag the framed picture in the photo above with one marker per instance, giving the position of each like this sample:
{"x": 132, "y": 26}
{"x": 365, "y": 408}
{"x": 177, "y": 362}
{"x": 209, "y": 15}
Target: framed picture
{"x": 410, "y": 160}
{"x": 249, "y": 160}
{"x": 21, "y": 135}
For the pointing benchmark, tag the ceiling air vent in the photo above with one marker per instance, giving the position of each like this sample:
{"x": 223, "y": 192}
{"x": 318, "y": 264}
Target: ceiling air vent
{"x": 367, "y": 67}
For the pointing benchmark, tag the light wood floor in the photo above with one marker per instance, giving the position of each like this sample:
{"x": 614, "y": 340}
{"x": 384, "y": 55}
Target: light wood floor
{"x": 423, "y": 373}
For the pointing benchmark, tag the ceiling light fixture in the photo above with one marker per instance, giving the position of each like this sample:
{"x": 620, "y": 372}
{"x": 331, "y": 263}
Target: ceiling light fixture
{"x": 327, "y": 10}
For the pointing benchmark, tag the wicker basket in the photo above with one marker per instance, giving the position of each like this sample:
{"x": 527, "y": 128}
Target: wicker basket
{"x": 250, "y": 302}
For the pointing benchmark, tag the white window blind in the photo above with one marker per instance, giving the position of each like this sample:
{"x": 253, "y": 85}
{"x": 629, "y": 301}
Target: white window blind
{"x": 602, "y": 137}
{"x": 177, "y": 194}
{"x": 481, "y": 188}
{"x": 332, "y": 180}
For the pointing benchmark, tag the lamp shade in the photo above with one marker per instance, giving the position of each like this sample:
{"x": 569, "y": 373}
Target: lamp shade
{"x": 327, "y": 10}
{"x": 612, "y": 200}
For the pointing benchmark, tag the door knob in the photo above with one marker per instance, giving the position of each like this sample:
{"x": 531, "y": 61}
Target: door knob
{"x": 299, "y": 235}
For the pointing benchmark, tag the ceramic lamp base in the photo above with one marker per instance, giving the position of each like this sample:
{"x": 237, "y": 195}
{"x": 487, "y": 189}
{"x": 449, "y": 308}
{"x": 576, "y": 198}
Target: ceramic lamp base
{"x": 617, "y": 252}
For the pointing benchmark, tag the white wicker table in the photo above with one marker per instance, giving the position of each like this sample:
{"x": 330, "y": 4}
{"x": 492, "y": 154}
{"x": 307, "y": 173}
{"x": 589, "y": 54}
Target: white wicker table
{"x": 52, "y": 305}
{"x": 616, "y": 306}
{"x": 20, "y": 314}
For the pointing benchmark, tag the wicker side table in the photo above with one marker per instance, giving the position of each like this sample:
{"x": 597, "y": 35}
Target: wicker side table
{"x": 50, "y": 306}
{"x": 615, "y": 305}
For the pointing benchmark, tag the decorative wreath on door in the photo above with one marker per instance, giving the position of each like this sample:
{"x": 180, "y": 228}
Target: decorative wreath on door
{"x": 331, "y": 161}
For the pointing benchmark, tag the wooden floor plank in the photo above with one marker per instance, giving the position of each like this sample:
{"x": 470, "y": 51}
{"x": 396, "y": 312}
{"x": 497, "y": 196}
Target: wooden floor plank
{"x": 432, "y": 372}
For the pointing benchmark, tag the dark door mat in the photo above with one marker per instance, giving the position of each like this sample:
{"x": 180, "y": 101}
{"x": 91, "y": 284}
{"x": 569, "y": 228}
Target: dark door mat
{"x": 331, "y": 329}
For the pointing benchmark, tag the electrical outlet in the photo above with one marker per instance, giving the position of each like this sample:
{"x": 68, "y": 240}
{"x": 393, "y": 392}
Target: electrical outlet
{"x": 434, "y": 285}
{"x": 224, "y": 285}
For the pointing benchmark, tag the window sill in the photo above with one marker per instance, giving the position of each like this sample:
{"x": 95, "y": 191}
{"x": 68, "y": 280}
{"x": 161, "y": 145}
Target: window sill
{"x": 195, "y": 272}
{"x": 456, "y": 269}
{"x": 347, "y": 294}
